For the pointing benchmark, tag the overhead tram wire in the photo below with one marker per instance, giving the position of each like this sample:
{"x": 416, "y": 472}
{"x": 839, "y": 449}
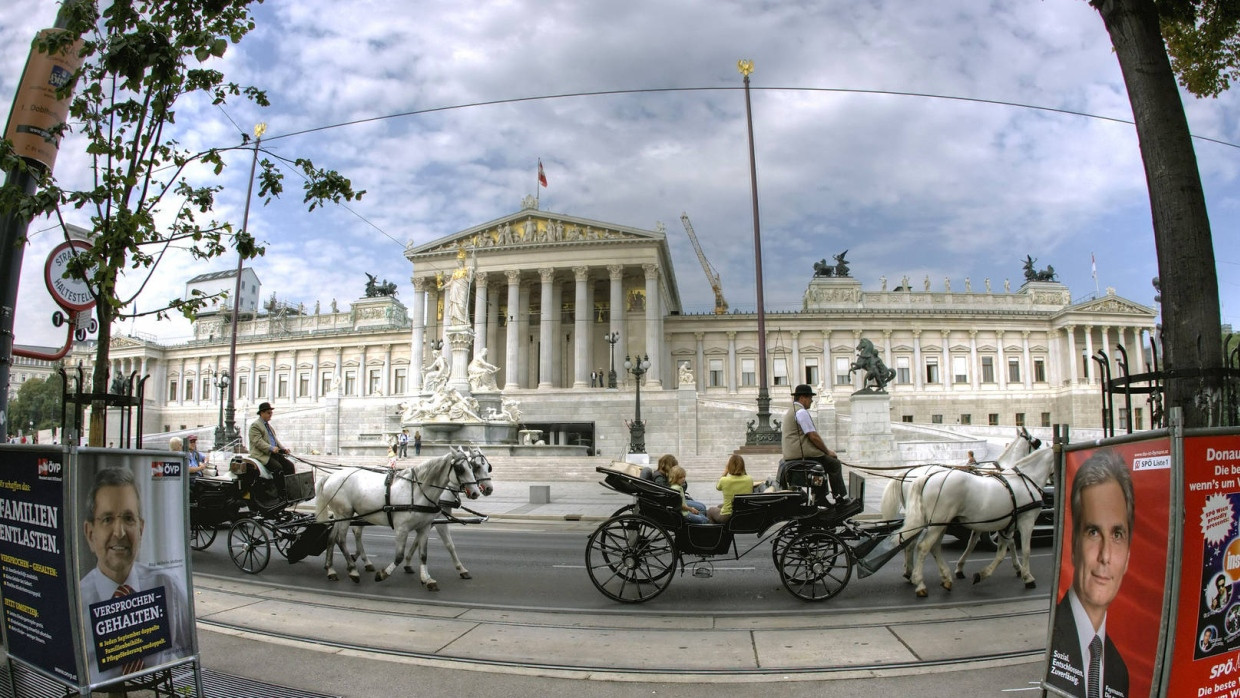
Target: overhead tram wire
{"x": 656, "y": 90}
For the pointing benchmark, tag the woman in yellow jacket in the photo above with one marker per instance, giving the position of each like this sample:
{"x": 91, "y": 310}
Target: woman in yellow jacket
{"x": 734, "y": 481}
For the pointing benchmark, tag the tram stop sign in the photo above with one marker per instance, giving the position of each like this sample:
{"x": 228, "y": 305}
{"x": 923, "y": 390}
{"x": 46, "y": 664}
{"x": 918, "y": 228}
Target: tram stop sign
{"x": 70, "y": 293}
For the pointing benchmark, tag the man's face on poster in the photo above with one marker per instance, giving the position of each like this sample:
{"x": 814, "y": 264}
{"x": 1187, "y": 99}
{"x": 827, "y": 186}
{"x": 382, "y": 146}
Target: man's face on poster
{"x": 115, "y": 534}
{"x": 1100, "y": 547}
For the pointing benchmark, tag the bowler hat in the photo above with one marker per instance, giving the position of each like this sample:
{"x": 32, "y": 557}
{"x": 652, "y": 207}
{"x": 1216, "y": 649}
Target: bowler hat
{"x": 263, "y": 407}
{"x": 803, "y": 389}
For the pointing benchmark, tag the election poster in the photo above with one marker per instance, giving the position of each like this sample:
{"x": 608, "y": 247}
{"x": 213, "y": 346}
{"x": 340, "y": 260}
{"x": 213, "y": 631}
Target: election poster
{"x": 1205, "y": 657}
{"x": 37, "y": 619}
{"x": 132, "y": 564}
{"x": 1108, "y": 606}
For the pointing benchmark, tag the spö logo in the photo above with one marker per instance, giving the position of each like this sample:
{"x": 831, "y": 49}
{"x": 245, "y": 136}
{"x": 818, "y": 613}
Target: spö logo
{"x": 59, "y": 77}
{"x": 49, "y": 467}
{"x": 165, "y": 469}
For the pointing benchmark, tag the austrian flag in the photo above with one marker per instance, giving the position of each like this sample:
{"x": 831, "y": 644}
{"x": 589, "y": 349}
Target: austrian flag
{"x": 542, "y": 176}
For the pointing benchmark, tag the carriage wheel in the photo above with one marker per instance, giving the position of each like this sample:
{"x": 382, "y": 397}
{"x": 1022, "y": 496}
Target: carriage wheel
{"x": 201, "y": 537}
{"x": 630, "y": 559}
{"x": 781, "y": 541}
{"x": 815, "y": 565}
{"x": 249, "y": 546}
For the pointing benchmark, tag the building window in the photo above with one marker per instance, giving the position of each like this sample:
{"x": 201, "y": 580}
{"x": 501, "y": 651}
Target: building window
{"x": 172, "y": 392}
{"x": 242, "y": 383}
{"x": 398, "y": 382}
{"x": 1039, "y": 370}
{"x": 282, "y": 385}
{"x": 932, "y": 370}
{"x": 1046, "y": 419}
{"x": 189, "y": 390}
{"x": 993, "y": 419}
{"x": 960, "y": 369}
{"x": 350, "y": 382}
{"x": 716, "y": 373}
{"x": 262, "y": 387}
{"x": 325, "y": 382}
{"x": 206, "y": 388}
{"x": 1013, "y": 370}
{"x": 376, "y": 383}
{"x": 811, "y": 371}
{"x": 842, "y": 376}
{"x": 1123, "y": 419}
{"x": 906, "y": 418}
{"x": 779, "y": 371}
{"x": 902, "y": 370}
{"x": 936, "y": 419}
{"x": 1085, "y": 362}
{"x": 988, "y": 370}
{"x": 1136, "y": 415}
{"x": 1020, "y": 419}
{"x": 966, "y": 419}
{"x": 303, "y": 384}
{"x": 747, "y": 373}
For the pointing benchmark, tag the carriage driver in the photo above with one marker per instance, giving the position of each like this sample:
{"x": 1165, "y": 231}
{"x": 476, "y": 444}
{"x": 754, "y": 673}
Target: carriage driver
{"x": 267, "y": 449}
{"x": 801, "y": 441}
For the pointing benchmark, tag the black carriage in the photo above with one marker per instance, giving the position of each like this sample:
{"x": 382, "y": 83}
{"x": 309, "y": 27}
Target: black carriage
{"x": 632, "y": 556}
{"x": 257, "y": 514}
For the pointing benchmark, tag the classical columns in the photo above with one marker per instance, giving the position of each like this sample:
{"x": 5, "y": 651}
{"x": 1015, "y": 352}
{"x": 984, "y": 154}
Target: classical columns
{"x": 1073, "y": 358}
{"x": 581, "y": 327}
{"x": 796, "y": 375}
{"x": 853, "y": 376}
{"x": 731, "y": 361}
{"x": 480, "y": 312}
{"x": 1089, "y": 353}
{"x": 974, "y": 368}
{"x": 1028, "y": 374}
{"x": 654, "y": 327}
{"x": 947, "y": 371}
{"x": 828, "y": 371}
{"x": 546, "y": 341}
{"x": 1002, "y": 367}
{"x": 523, "y": 334}
{"x": 512, "y": 338}
{"x": 918, "y": 371}
{"x": 700, "y": 377}
{"x": 615, "y": 273}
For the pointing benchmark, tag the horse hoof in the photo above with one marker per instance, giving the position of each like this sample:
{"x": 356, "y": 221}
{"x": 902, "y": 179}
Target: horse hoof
{"x": 370, "y": 567}
{"x": 959, "y": 574}
{"x": 921, "y": 593}
{"x": 408, "y": 569}
{"x": 947, "y": 586}
{"x": 1031, "y": 585}
{"x": 908, "y": 576}
{"x": 355, "y": 577}
{"x": 331, "y": 577}
{"x": 977, "y": 577}
{"x": 466, "y": 575}
{"x": 432, "y": 586}
{"x": 380, "y": 576}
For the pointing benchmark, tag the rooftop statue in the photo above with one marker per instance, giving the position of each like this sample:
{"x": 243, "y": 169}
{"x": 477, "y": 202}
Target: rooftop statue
{"x": 375, "y": 290}
{"x": 839, "y": 270}
{"x": 1032, "y": 274}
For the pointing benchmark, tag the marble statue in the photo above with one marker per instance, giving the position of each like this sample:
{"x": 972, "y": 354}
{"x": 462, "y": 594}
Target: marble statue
{"x": 482, "y": 374}
{"x": 883, "y": 280}
{"x": 435, "y": 374}
{"x": 456, "y": 293}
{"x": 685, "y": 375}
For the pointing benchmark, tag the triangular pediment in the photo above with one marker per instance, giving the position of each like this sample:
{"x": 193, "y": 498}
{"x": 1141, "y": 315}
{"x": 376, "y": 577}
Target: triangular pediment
{"x": 123, "y": 342}
{"x": 1112, "y": 305}
{"x": 531, "y": 227}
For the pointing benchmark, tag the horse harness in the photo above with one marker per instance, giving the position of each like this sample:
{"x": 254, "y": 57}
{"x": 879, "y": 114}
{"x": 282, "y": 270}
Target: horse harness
{"x": 1031, "y": 488}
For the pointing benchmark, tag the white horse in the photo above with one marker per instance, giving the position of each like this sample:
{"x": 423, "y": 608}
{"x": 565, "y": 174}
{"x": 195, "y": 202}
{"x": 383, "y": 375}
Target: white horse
{"x": 481, "y": 469}
{"x": 896, "y": 494}
{"x": 982, "y": 502}
{"x": 409, "y": 504}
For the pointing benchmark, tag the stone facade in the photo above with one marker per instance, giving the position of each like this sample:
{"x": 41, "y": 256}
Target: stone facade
{"x": 546, "y": 290}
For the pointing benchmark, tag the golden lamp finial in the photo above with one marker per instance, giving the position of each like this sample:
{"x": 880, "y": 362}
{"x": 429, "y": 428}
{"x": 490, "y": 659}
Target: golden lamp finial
{"x": 745, "y": 66}
{"x": 260, "y": 129}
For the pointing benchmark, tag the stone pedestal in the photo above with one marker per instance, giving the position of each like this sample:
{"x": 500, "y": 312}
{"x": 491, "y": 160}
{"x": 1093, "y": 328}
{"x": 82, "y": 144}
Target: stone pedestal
{"x": 460, "y": 340}
{"x": 870, "y": 441}
{"x": 686, "y": 406}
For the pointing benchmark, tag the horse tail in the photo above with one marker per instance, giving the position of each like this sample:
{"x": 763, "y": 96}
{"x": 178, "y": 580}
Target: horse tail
{"x": 321, "y": 503}
{"x": 893, "y": 499}
{"x": 914, "y": 514}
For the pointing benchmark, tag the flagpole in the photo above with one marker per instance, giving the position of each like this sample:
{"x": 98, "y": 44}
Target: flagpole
{"x": 537, "y": 185}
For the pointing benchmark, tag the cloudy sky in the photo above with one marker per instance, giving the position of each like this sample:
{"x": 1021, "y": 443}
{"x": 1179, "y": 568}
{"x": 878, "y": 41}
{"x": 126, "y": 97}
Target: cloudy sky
{"x": 909, "y": 185}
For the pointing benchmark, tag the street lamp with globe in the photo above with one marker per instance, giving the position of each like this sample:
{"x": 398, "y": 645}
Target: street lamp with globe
{"x": 612, "y": 338}
{"x": 637, "y": 427}
{"x": 222, "y": 382}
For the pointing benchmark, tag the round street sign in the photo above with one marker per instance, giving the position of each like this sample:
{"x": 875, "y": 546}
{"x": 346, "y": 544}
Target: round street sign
{"x": 70, "y": 294}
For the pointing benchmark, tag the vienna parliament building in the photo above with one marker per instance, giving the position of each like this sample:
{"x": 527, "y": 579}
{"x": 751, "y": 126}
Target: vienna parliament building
{"x": 547, "y": 291}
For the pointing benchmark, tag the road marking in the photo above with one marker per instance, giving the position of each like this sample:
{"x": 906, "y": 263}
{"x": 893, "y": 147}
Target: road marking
{"x": 717, "y": 569}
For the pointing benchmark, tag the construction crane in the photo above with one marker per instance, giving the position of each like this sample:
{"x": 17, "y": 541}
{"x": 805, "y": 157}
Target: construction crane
{"x": 721, "y": 306}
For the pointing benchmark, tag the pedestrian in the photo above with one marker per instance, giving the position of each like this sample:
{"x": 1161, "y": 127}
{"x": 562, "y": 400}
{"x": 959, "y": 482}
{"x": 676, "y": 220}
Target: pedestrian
{"x": 417, "y": 443}
{"x": 403, "y": 442}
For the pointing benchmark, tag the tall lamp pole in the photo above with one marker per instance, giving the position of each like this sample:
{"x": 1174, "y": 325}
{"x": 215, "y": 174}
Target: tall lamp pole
{"x": 612, "y": 338}
{"x": 762, "y": 434}
{"x": 637, "y": 428}
{"x": 222, "y": 381}
{"x": 231, "y": 435}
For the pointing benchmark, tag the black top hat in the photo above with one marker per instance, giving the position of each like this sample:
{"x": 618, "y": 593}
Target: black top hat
{"x": 264, "y": 407}
{"x": 803, "y": 389}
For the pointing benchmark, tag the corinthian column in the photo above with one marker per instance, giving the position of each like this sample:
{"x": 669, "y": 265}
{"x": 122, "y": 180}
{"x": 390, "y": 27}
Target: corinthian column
{"x": 581, "y": 327}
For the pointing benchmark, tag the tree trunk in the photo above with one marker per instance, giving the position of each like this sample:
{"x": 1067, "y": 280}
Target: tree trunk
{"x": 99, "y": 384}
{"x": 1191, "y": 334}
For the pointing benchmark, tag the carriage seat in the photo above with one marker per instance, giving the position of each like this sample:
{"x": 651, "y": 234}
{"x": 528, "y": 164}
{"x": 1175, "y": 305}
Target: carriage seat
{"x": 754, "y": 513}
{"x": 794, "y": 474}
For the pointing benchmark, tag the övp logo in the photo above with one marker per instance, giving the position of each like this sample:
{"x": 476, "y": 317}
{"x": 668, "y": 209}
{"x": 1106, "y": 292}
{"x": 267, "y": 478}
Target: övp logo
{"x": 49, "y": 467}
{"x": 160, "y": 469}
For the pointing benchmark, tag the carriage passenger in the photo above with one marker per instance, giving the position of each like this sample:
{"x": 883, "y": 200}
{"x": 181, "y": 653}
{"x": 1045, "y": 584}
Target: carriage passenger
{"x": 694, "y": 511}
{"x": 197, "y": 460}
{"x": 662, "y": 475}
{"x": 734, "y": 481}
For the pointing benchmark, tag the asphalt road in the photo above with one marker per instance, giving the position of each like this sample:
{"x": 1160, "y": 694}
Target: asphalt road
{"x": 541, "y": 566}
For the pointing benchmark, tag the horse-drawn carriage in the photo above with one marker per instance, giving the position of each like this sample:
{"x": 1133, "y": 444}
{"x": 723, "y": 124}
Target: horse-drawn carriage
{"x": 633, "y": 556}
{"x": 258, "y": 513}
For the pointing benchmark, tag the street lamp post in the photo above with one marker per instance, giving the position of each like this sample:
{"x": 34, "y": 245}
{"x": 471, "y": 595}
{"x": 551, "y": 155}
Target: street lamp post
{"x": 222, "y": 381}
{"x": 637, "y": 428}
{"x": 231, "y": 434}
{"x": 612, "y": 338}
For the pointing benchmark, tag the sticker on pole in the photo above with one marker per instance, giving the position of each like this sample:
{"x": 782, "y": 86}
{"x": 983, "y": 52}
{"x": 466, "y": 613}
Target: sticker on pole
{"x": 69, "y": 293}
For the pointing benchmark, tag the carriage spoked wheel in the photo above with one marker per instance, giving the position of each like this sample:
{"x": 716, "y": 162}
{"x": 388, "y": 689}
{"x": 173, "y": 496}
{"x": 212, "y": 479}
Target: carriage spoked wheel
{"x": 815, "y": 565}
{"x": 249, "y": 546}
{"x": 201, "y": 537}
{"x": 782, "y": 539}
{"x": 630, "y": 559}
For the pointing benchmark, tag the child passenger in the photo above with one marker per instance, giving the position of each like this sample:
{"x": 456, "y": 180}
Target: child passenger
{"x": 734, "y": 481}
{"x": 692, "y": 511}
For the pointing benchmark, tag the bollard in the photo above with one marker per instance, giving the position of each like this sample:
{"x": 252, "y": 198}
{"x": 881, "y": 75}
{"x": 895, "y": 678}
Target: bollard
{"x": 540, "y": 494}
